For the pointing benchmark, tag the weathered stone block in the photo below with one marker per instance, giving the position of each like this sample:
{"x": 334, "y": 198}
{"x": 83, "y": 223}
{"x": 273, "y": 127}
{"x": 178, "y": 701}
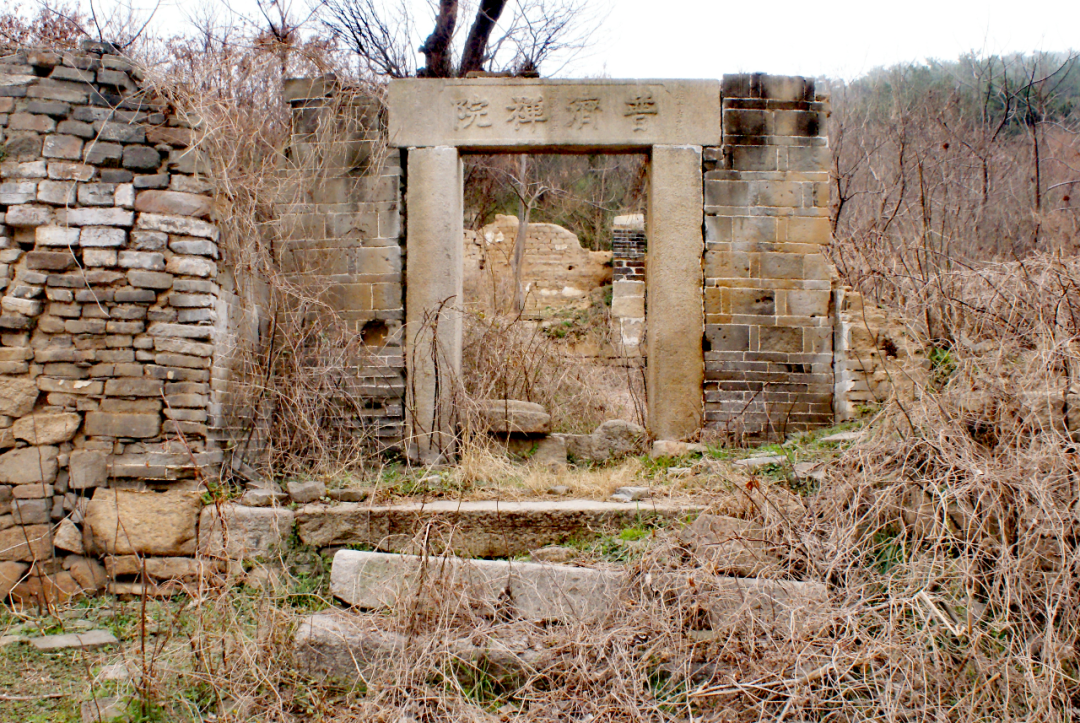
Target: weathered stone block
{"x": 144, "y": 523}
{"x": 173, "y": 203}
{"x": 509, "y": 416}
{"x": 135, "y": 426}
{"x": 100, "y": 217}
{"x": 47, "y": 428}
{"x": 26, "y": 544}
{"x": 29, "y": 465}
{"x": 86, "y": 469}
{"x": 145, "y": 260}
{"x": 245, "y": 533}
{"x": 31, "y": 511}
{"x": 102, "y": 237}
{"x": 63, "y": 147}
{"x": 56, "y": 236}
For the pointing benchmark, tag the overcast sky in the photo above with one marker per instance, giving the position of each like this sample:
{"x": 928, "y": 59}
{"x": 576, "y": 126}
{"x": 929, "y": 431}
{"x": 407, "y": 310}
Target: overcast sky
{"x": 842, "y": 38}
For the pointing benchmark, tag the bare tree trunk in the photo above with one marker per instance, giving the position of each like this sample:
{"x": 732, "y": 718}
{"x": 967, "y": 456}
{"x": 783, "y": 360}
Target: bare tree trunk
{"x": 436, "y": 48}
{"x": 524, "y": 210}
{"x": 476, "y": 45}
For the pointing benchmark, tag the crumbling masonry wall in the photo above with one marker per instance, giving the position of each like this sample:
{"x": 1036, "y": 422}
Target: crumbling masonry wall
{"x": 117, "y": 324}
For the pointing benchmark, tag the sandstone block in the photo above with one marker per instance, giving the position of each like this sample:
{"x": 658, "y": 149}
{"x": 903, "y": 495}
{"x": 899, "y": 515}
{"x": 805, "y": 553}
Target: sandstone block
{"x": 145, "y": 260}
{"x": 31, "y": 512}
{"x": 88, "y": 572}
{"x": 29, "y": 465}
{"x": 56, "y": 236}
{"x": 150, "y": 279}
{"x": 102, "y": 237}
{"x": 62, "y": 147}
{"x": 11, "y": 573}
{"x": 27, "y": 215}
{"x": 26, "y": 544}
{"x": 306, "y": 491}
{"x": 511, "y": 416}
{"x": 35, "y": 491}
{"x": 173, "y": 203}
{"x": 373, "y": 580}
{"x": 143, "y": 523}
{"x": 135, "y": 426}
{"x": 177, "y": 225}
{"x": 17, "y": 396}
{"x": 68, "y": 537}
{"x": 47, "y": 428}
{"x": 99, "y": 217}
{"x": 245, "y": 533}
{"x": 192, "y": 266}
{"x": 26, "y": 307}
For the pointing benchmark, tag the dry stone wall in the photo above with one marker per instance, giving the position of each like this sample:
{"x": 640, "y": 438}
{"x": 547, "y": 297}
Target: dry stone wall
{"x": 114, "y": 322}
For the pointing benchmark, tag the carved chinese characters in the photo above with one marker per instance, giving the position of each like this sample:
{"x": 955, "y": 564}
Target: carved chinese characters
{"x": 471, "y": 111}
{"x": 527, "y": 111}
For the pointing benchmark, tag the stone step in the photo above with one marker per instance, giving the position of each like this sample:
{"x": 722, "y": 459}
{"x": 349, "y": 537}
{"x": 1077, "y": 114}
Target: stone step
{"x": 563, "y": 593}
{"x": 476, "y": 529}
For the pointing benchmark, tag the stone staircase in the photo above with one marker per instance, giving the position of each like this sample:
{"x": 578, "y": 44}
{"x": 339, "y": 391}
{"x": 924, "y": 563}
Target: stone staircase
{"x": 345, "y": 643}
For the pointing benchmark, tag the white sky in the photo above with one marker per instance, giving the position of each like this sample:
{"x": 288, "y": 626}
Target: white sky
{"x": 842, "y": 38}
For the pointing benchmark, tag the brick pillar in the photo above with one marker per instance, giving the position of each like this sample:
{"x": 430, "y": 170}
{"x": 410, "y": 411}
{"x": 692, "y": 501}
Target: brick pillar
{"x": 768, "y": 334}
{"x": 628, "y": 247}
{"x": 433, "y": 290}
{"x": 676, "y": 367}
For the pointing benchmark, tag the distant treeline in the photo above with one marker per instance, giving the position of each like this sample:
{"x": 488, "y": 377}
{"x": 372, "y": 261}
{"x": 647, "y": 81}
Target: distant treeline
{"x": 955, "y": 162}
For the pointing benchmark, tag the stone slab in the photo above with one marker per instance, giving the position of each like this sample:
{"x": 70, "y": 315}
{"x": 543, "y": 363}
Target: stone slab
{"x": 244, "y": 533}
{"x": 676, "y": 369}
{"x": 337, "y": 645}
{"x": 474, "y": 529}
{"x": 67, "y": 641}
{"x": 125, "y": 522}
{"x": 536, "y": 591}
{"x": 537, "y": 114}
{"x": 433, "y": 297}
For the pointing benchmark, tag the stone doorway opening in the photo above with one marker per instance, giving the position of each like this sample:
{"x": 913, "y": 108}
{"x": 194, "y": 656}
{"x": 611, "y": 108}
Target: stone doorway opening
{"x": 436, "y": 122}
{"x": 544, "y": 319}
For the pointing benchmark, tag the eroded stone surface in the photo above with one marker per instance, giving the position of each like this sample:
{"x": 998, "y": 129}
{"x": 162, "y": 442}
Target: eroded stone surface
{"x": 512, "y": 416}
{"x": 474, "y": 529}
{"x": 532, "y": 113}
{"x": 537, "y": 591}
{"x": 244, "y": 533}
{"x": 124, "y": 522}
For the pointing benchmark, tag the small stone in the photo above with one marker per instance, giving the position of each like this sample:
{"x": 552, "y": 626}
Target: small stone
{"x": 306, "y": 491}
{"x": 755, "y": 463}
{"x": 103, "y": 710}
{"x": 554, "y": 554}
{"x": 118, "y": 672}
{"x": 86, "y": 469}
{"x": 633, "y": 494}
{"x": 68, "y": 537}
{"x": 260, "y": 497}
{"x": 559, "y": 490}
{"x": 811, "y": 471}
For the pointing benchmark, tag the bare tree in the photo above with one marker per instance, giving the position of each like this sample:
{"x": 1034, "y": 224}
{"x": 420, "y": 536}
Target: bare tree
{"x": 382, "y": 34}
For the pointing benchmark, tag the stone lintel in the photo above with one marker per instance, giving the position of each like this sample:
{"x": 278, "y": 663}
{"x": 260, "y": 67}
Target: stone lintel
{"x": 532, "y": 115}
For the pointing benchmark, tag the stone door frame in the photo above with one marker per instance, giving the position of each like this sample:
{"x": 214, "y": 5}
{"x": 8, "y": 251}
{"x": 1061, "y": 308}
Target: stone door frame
{"x": 437, "y": 121}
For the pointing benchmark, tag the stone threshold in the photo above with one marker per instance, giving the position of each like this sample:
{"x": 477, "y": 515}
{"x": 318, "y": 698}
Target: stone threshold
{"x": 478, "y": 529}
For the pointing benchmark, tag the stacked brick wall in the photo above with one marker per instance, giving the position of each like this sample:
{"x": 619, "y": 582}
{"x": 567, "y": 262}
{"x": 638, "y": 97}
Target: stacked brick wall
{"x": 110, "y": 299}
{"x": 342, "y": 239}
{"x": 557, "y": 272}
{"x": 768, "y": 335}
{"x": 628, "y": 253}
